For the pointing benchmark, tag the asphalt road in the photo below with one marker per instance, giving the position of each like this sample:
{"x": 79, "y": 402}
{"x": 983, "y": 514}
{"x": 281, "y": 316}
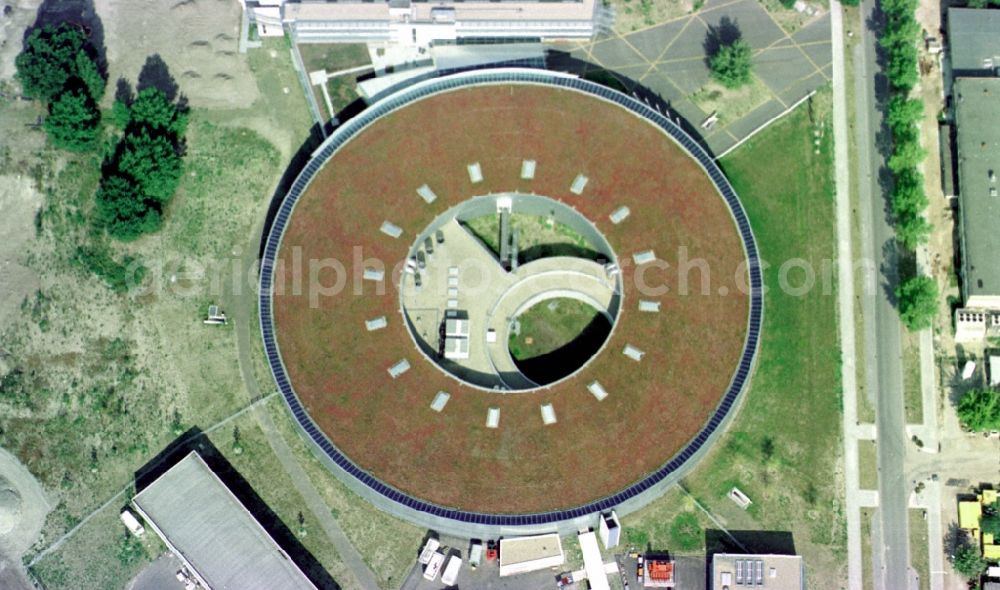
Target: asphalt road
{"x": 881, "y": 321}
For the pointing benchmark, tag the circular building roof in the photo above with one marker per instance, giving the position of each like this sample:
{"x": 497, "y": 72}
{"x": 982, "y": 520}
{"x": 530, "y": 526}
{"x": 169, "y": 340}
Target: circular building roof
{"x": 614, "y": 432}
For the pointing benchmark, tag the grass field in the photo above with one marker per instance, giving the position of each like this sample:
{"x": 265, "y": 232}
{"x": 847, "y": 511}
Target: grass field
{"x": 672, "y": 523}
{"x": 107, "y": 379}
{"x": 557, "y": 337}
{"x": 731, "y": 104}
{"x": 536, "y": 237}
{"x": 333, "y": 57}
{"x": 783, "y": 448}
{"x": 567, "y": 134}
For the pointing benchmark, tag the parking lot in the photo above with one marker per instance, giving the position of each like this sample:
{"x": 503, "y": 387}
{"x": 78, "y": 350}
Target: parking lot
{"x": 690, "y": 573}
{"x": 669, "y": 60}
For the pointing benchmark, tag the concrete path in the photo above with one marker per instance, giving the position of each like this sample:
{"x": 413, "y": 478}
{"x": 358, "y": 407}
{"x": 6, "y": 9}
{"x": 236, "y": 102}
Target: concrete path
{"x": 243, "y": 305}
{"x": 845, "y": 301}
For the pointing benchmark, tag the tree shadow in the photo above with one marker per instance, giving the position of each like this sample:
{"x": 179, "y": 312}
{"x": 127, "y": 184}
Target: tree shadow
{"x": 81, "y": 13}
{"x": 718, "y": 36}
{"x": 563, "y": 61}
{"x": 893, "y": 267}
{"x": 748, "y": 541}
{"x": 195, "y": 440}
{"x": 156, "y": 74}
{"x": 124, "y": 92}
{"x": 566, "y": 359}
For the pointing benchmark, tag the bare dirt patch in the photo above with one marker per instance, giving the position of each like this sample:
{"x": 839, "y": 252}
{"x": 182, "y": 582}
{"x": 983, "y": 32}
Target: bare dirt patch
{"x": 197, "y": 39}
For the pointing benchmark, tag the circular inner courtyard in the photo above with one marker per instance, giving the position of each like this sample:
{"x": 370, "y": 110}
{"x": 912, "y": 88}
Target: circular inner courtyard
{"x": 419, "y": 276}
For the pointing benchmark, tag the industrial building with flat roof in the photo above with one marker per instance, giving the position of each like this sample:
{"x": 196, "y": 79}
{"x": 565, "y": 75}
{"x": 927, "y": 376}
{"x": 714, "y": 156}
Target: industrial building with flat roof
{"x": 974, "y": 38}
{"x": 774, "y": 572}
{"x": 977, "y": 108}
{"x": 422, "y": 23}
{"x": 215, "y": 536}
{"x": 520, "y": 555}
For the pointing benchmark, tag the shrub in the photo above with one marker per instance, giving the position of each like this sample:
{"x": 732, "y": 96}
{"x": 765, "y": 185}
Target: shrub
{"x": 119, "y": 276}
{"x": 979, "y": 410}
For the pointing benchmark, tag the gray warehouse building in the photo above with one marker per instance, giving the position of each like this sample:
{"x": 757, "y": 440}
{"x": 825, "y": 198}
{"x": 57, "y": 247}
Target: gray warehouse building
{"x": 220, "y": 543}
{"x": 977, "y": 108}
{"x": 974, "y": 38}
{"x": 974, "y": 55}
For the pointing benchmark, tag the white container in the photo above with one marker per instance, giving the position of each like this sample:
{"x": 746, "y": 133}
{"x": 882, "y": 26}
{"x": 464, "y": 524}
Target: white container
{"x": 434, "y": 566}
{"x": 451, "y": 571}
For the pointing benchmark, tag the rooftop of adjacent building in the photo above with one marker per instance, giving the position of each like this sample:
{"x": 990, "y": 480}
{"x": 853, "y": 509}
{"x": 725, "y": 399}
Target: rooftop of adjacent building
{"x": 974, "y": 37}
{"x": 977, "y": 108}
{"x": 775, "y": 572}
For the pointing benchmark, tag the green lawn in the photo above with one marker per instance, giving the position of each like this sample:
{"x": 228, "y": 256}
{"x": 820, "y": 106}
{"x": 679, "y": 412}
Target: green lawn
{"x": 550, "y": 325}
{"x": 783, "y": 449}
{"x": 333, "y": 56}
{"x": 537, "y": 237}
{"x": 866, "y": 548}
{"x": 912, "y": 395}
{"x": 868, "y": 464}
{"x": 919, "y": 547}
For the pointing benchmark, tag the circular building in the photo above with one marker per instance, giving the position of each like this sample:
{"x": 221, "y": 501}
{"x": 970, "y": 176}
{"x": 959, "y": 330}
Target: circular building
{"x": 508, "y": 300}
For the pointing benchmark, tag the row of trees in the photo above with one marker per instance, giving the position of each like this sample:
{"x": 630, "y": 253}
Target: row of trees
{"x": 143, "y": 170}
{"x": 59, "y": 66}
{"x": 916, "y": 295}
{"x": 899, "y": 41}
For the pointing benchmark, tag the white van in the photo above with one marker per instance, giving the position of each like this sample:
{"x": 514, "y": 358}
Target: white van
{"x": 434, "y": 566}
{"x": 451, "y": 571}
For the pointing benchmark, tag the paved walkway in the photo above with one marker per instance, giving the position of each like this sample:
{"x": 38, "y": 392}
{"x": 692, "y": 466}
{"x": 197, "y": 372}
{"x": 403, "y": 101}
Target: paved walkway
{"x": 845, "y": 300}
{"x": 243, "y": 305}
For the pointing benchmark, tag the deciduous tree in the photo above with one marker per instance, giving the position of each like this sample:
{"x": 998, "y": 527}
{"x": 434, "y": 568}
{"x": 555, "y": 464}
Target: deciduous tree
{"x": 916, "y": 298}
{"x": 732, "y": 64}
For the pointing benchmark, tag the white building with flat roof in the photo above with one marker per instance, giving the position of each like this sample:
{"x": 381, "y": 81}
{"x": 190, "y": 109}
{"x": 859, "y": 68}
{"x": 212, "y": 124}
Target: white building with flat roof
{"x": 422, "y": 23}
{"x": 520, "y": 555}
{"x": 775, "y": 572}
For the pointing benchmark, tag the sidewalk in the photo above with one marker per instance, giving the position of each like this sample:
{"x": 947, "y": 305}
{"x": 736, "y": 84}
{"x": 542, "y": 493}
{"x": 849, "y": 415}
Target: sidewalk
{"x": 845, "y": 292}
